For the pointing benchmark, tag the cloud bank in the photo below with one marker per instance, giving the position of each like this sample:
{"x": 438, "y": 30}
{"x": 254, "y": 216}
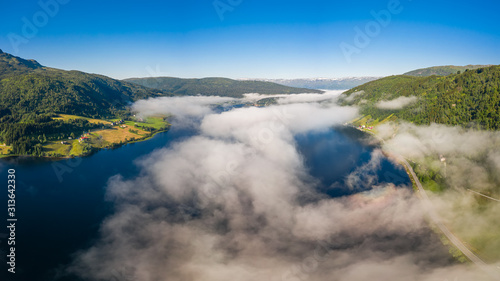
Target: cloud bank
{"x": 235, "y": 202}
{"x": 462, "y": 160}
{"x": 397, "y": 103}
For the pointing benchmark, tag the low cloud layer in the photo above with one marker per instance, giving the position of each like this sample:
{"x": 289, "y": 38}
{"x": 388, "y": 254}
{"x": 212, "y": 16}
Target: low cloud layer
{"x": 184, "y": 109}
{"x": 352, "y": 96}
{"x": 397, "y": 103}
{"x": 235, "y": 202}
{"x": 465, "y": 161}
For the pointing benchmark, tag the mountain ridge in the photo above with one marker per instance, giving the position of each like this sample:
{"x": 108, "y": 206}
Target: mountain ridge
{"x": 323, "y": 83}
{"x": 469, "y": 99}
{"x": 216, "y": 86}
{"x": 443, "y": 70}
{"x": 28, "y": 88}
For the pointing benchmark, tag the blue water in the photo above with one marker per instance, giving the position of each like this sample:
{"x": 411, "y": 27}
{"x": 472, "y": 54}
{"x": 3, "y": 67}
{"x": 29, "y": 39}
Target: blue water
{"x": 60, "y": 204}
{"x": 334, "y": 154}
{"x": 59, "y": 215}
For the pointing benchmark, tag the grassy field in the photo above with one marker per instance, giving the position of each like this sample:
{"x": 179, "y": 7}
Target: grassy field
{"x": 66, "y": 117}
{"x": 118, "y": 134}
{"x": 155, "y": 122}
{"x": 108, "y": 137}
{"x": 76, "y": 149}
{"x": 369, "y": 122}
{"x": 57, "y": 147}
{"x": 4, "y": 149}
{"x": 104, "y": 138}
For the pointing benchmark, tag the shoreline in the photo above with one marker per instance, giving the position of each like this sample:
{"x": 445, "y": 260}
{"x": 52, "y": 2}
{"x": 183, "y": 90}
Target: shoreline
{"x": 95, "y": 150}
{"x": 435, "y": 221}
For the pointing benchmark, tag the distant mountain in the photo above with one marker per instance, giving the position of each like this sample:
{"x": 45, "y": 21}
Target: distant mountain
{"x": 216, "y": 86}
{"x": 442, "y": 70}
{"x": 28, "y": 88}
{"x": 469, "y": 99}
{"x": 323, "y": 83}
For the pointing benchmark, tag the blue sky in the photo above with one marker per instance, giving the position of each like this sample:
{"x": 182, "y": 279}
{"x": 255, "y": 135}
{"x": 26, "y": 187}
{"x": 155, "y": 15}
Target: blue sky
{"x": 250, "y": 38}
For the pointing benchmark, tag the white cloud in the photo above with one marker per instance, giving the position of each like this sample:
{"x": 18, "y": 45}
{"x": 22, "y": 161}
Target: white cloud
{"x": 236, "y": 202}
{"x": 187, "y": 106}
{"x": 397, "y": 103}
{"x": 352, "y": 96}
{"x": 328, "y": 95}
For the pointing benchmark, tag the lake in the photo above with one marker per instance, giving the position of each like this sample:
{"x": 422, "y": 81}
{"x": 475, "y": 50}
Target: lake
{"x": 60, "y": 204}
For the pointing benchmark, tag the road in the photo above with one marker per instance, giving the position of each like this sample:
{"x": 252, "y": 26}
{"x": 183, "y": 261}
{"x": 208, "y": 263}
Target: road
{"x": 494, "y": 273}
{"x": 491, "y": 198}
{"x": 438, "y": 222}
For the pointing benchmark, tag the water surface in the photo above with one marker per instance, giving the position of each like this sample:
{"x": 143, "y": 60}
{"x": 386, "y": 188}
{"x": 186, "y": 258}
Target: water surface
{"x": 61, "y": 204}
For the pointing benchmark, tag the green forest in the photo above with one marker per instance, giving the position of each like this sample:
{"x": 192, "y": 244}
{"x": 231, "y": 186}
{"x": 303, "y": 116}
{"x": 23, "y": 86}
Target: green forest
{"x": 28, "y": 89}
{"x": 31, "y": 95}
{"x": 470, "y": 99}
{"x": 27, "y": 138}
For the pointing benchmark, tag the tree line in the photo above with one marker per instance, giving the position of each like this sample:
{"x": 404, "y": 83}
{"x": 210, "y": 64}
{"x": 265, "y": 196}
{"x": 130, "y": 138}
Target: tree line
{"x": 468, "y": 99}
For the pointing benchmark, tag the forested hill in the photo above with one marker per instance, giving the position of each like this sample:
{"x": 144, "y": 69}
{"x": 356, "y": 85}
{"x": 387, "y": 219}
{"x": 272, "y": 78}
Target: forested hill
{"x": 27, "y": 89}
{"x": 443, "y": 70}
{"x": 469, "y": 99}
{"x": 10, "y": 65}
{"x": 216, "y": 86}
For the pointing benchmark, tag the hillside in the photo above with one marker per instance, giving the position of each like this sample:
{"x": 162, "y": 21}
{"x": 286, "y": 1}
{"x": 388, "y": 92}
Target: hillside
{"x": 32, "y": 96}
{"x": 469, "y": 99}
{"x": 443, "y": 70}
{"x": 27, "y": 88}
{"x": 323, "y": 83}
{"x": 11, "y": 65}
{"x": 216, "y": 86}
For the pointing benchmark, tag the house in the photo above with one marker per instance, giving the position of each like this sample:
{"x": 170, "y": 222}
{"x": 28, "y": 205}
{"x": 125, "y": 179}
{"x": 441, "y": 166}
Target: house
{"x": 83, "y": 139}
{"x": 64, "y": 142}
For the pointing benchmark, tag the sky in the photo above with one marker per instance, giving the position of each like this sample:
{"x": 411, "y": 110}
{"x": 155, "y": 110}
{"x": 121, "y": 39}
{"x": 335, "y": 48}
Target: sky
{"x": 251, "y": 39}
